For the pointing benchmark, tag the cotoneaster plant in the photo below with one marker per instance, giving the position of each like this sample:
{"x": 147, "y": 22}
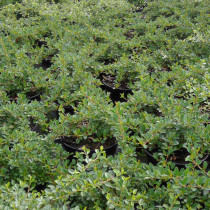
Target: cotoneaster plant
{"x": 59, "y": 49}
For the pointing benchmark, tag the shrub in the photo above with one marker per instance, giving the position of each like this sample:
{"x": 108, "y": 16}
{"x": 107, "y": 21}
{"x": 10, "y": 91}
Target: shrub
{"x": 52, "y": 56}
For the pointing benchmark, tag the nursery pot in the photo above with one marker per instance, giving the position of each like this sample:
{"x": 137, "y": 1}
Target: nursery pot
{"x": 111, "y": 87}
{"x": 115, "y": 93}
{"x": 110, "y": 150}
{"x": 176, "y": 159}
{"x": 33, "y": 95}
{"x": 141, "y": 155}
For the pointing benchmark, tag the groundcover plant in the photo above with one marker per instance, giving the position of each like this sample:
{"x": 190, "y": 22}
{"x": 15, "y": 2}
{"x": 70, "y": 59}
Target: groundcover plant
{"x": 93, "y": 74}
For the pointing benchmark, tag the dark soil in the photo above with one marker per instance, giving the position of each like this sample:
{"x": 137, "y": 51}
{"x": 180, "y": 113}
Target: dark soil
{"x": 40, "y": 43}
{"x": 41, "y": 187}
{"x": 106, "y": 61}
{"x": 169, "y": 27}
{"x": 69, "y": 110}
{"x": 163, "y": 69}
{"x": 45, "y": 64}
{"x": 179, "y": 156}
{"x": 12, "y": 95}
{"x": 130, "y": 34}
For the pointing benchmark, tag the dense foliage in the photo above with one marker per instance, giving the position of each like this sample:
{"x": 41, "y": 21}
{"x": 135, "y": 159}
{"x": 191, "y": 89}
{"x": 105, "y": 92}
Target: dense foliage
{"x": 52, "y": 54}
